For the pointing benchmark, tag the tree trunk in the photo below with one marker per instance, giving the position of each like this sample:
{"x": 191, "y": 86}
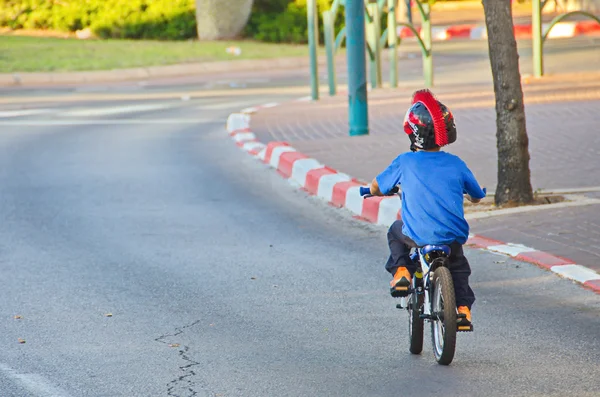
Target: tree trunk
{"x": 217, "y": 19}
{"x": 514, "y": 181}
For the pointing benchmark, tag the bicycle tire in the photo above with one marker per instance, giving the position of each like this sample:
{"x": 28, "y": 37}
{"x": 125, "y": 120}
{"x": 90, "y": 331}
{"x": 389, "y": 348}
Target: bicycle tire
{"x": 415, "y": 324}
{"x": 443, "y": 304}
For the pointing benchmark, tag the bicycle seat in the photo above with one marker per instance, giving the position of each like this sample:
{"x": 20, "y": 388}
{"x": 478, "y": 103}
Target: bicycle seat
{"x": 442, "y": 250}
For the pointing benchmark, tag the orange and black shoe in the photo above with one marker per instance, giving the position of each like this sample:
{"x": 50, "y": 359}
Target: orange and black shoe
{"x": 464, "y": 319}
{"x": 400, "y": 285}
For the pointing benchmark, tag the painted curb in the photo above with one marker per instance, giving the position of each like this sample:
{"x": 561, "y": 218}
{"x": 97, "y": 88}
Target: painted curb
{"x": 341, "y": 190}
{"x": 479, "y": 32}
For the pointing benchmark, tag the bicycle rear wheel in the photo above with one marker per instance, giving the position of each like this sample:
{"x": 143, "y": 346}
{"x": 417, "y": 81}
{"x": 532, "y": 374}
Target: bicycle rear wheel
{"x": 443, "y": 309}
{"x": 415, "y": 322}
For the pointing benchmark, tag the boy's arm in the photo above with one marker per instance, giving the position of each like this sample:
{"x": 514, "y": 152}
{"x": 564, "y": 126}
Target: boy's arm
{"x": 388, "y": 179}
{"x": 474, "y": 192}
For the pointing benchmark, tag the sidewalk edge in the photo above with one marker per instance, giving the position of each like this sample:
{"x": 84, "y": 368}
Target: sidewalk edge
{"x": 439, "y": 33}
{"x": 341, "y": 190}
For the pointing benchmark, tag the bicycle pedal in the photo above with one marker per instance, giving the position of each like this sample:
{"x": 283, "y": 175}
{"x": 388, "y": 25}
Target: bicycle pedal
{"x": 465, "y": 328}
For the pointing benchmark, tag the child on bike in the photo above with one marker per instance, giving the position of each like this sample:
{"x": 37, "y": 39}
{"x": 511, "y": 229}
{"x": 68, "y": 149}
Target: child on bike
{"x": 433, "y": 183}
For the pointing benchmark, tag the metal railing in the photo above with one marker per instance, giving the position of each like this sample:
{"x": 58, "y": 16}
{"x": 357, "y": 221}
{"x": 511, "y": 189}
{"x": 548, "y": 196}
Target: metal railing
{"x": 376, "y": 40}
{"x": 539, "y": 39}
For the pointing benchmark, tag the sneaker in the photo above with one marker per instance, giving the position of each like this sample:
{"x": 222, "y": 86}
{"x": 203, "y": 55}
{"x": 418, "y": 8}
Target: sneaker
{"x": 464, "y": 319}
{"x": 401, "y": 283}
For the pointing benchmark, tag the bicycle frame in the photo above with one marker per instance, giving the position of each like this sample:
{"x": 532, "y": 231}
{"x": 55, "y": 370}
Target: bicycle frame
{"x": 425, "y": 268}
{"x": 426, "y": 271}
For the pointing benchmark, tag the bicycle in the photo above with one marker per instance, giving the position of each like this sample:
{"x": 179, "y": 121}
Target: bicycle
{"x": 431, "y": 297}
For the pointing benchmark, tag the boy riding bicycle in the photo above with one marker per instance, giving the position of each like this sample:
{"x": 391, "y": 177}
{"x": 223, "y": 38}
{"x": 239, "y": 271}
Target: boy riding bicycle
{"x": 433, "y": 183}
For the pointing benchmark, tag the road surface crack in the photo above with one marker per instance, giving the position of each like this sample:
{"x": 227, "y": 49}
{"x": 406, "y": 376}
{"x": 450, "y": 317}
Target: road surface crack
{"x": 185, "y": 385}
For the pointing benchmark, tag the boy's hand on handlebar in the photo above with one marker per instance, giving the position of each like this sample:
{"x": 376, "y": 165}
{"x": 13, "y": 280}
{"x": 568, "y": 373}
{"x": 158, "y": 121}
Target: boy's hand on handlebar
{"x": 367, "y": 192}
{"x": 471, "y": 199}
{"x": 474, "y": 200}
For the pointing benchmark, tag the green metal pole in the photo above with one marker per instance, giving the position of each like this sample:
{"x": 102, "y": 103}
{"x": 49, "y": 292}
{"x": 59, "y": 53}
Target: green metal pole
{"x": 358, "y": 112}
{"x": 392, "y": 39}
{"x": 427, "y": 56}
{"x": 374, "y": 40}
{"x": 313, "y": 42}
{"x": 330, "y": 50}
{"x": 371, "y": 37}
{"x": 374, "y": 11}
{"x": 536, "y": 35}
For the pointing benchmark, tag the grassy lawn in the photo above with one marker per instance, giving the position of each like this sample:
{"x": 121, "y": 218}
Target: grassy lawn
{"x": 45, "y": 54}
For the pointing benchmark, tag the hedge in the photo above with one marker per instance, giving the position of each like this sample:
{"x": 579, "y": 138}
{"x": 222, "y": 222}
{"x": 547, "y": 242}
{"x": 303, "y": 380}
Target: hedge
{"x": 137, "y": 19}
{"x": 271, "y": 20}
{"x": 285, "y": 21}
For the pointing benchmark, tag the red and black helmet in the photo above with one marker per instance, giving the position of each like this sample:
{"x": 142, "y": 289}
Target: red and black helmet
{"x": 428, "y": 122}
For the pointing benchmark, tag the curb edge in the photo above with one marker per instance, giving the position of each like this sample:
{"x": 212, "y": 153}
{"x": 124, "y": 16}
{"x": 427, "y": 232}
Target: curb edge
{"x": 336, "y": 188}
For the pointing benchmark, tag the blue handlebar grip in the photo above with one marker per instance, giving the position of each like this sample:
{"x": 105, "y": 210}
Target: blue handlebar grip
{"x": 365, "y": 190}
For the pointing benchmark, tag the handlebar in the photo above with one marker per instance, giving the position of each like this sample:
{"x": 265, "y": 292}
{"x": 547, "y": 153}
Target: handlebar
{"x": 365, "y": 191}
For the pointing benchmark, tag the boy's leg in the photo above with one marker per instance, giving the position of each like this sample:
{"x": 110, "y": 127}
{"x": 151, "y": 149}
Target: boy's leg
{"x": 460, "y": 269}
{"x": 399, "y": 250}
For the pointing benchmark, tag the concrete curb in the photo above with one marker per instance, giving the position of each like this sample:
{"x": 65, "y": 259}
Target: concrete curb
{"x": 341, "y": 190}
{"x": 141, "y": 73}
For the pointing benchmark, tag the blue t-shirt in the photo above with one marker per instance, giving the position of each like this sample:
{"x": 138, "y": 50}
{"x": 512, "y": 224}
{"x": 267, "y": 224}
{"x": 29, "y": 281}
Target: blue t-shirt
{"x": 433, "y": 184}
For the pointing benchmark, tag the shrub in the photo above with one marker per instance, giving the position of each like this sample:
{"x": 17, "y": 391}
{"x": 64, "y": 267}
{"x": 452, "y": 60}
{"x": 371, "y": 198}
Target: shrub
{"x": 150, "y": 19}
{"x": 285, "y": 20}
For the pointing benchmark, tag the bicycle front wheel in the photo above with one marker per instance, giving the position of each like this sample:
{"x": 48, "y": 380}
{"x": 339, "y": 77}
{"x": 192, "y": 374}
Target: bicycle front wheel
{"x": 443, "y": 309}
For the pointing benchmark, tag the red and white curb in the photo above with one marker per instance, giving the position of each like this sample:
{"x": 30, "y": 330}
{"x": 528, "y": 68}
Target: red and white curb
{"x": 478, "y": 32}
{"x": 342, "y": 191}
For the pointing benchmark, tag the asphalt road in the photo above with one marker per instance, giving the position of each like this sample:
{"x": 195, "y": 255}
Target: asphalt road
{"x": 222, "y": 280}
{"x": 145, "y": 255}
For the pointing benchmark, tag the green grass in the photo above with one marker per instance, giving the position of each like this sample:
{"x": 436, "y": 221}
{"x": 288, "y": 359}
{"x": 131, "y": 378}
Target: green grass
{"x": 44, "y": 54}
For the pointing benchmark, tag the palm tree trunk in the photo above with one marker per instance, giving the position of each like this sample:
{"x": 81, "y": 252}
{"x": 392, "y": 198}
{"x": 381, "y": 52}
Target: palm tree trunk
{"x": 218, "y": 19}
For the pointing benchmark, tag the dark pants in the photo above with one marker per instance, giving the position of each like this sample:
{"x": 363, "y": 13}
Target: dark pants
{"x": 400, "y": 246}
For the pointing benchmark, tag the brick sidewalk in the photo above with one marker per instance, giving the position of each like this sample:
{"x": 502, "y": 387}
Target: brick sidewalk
{"x": 553, "y": 108}
{"x": 562, "y": 121}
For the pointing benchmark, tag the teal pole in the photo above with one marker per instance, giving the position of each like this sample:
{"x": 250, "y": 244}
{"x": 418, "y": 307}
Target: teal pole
{"x": 536, "y": 35}
{"x": 313, "y": 42}
{"x": 358, "y": 114}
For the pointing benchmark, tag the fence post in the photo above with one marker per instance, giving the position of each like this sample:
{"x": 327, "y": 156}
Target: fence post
{"x": 358, "y": 114}
{"x": 313, "y": 43}
{"x": 330, "y": 50}
{"x": 392, "y": 40}
{"x": 427, "y": 54}
{"x": 374, "y": 35}
{"x": 536, "y": 36}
